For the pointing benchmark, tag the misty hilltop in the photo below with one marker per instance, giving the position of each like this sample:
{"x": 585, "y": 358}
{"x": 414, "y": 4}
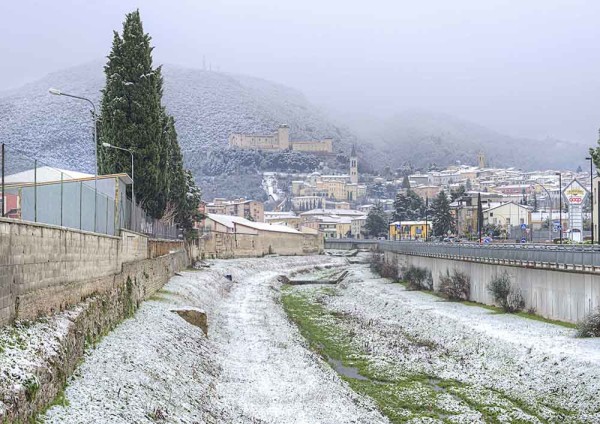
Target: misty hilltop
{"x": 208, "y": 106}
{"x": 423, "y": 138}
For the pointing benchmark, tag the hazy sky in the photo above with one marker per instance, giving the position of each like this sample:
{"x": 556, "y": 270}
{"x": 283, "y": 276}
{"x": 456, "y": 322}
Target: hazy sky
{"x": 523, "y": 67}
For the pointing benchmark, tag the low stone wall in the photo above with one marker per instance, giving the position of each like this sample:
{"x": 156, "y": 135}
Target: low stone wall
{"x": 42, "y": 258}
{"x": 230, "y": 245}
{"x": 45, "y": 269}
{"x": 118, "y": 298}
{"x": 134, "y": 246}
{"x": 556, "y": 294}
{"x": 158, "y": 248}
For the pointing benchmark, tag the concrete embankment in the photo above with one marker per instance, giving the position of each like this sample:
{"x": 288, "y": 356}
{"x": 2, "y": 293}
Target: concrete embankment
{"x": 95, "y": 280}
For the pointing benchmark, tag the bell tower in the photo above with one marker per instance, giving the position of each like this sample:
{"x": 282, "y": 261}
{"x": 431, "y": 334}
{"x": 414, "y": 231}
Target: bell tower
{"x": 481, "y": 160}
{"x": 353, "y": 166}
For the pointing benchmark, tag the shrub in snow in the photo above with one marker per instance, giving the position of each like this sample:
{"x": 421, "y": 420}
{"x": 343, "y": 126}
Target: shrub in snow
{"x": 379, "y": 265}
{"x": 505, "y": 294}
{"x": 456, "y": 286}
{"x": 590, "y": 326}
{"x": 418, "y": 278}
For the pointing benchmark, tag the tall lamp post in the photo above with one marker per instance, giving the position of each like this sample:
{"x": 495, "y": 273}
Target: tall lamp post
{"x": 426, "y": 217}
{"x": 110, "y": 146}
{"x": 560, "y": 205}
{"x": 592, "y": 193}
{"x": 57, "y": 92}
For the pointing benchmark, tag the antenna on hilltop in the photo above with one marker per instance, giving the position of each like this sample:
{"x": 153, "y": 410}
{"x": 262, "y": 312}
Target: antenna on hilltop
{"x": 204, "y": 62}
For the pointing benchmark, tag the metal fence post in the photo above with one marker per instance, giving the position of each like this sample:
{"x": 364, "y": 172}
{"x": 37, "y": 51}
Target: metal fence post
{"x": 61, "y": 198}
{"x": 3, "y": 197}
{"x": 35, "y": 190}
{"x": 80, "y": 203}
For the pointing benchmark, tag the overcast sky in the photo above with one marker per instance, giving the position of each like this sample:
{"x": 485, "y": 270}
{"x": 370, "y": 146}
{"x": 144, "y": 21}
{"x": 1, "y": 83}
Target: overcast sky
{"x": 529, "y": 68}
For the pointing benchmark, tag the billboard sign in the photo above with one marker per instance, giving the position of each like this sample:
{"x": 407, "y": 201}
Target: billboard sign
{"x": 575, "y": 193}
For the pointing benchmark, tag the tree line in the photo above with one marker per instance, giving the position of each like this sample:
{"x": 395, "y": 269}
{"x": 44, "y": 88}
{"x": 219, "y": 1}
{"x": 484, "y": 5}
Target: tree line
{"x": 409, "y": 206}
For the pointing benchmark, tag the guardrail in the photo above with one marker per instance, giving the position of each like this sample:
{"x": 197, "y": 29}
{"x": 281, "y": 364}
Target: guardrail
{"x": 580, "y": 257}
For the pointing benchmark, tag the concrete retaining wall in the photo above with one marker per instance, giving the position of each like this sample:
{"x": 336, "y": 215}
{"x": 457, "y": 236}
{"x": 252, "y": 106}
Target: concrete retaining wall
{"x": 119, "y": 298}
{"x": 230, "y": 245}
{"x": 44, "y": 268}
{"x": 555, "y": 294}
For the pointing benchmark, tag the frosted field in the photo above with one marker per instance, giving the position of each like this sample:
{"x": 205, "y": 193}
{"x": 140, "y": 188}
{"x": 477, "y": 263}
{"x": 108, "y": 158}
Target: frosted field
{"x": 255, "y": 367}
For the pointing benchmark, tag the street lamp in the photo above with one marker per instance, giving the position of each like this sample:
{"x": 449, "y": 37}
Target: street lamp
{"x": 560, "y": 205}
{"x": 57, "y": 92}
{"x": 110, "y": 146}
{"x": 592, "y": 193}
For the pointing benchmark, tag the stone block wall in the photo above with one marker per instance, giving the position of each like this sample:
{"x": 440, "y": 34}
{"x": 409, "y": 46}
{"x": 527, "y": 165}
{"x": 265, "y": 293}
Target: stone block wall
{"x": 134, "y": 246}
{"x": 229, "y": 245}
{"x": 44, "y": 269}
{"x": 120, "y": 297}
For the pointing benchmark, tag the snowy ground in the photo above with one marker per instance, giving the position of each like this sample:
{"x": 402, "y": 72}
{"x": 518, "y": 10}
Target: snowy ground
{"x": 513, "y": 368}
{"x": 255, "y": 367}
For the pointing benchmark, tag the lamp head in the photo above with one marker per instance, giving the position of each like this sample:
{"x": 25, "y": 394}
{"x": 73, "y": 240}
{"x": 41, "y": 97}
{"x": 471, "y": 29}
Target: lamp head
{"x": 106, "y": 145}
{"x": 55, "y": 91}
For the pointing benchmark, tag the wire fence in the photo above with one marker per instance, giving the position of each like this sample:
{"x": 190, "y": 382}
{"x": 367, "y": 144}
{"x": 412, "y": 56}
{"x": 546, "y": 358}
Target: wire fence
{"x": 36, "y": 192}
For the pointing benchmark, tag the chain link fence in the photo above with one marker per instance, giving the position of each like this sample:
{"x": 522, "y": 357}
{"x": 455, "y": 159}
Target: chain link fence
{"x": 36, "y": 192}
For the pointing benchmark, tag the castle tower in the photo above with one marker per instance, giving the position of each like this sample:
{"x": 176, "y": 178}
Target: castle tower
{"x": 481, "y": 160}
{"x": 283, "y": 137}
{"x": 353, "y": 166}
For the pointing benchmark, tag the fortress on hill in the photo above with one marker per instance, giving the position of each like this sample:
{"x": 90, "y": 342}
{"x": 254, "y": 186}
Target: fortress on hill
{"x": 279, "y": 141}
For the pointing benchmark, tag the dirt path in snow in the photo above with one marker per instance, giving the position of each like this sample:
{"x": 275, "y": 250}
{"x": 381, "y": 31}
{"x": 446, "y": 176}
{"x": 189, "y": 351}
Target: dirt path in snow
{"x": 253, "y": 368}
{"x": 268, "y": 374}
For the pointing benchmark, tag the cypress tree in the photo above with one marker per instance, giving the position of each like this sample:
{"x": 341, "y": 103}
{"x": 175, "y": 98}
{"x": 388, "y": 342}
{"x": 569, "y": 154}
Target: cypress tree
{"x": 132, "y": 115}
{"x": 442, "y": 220}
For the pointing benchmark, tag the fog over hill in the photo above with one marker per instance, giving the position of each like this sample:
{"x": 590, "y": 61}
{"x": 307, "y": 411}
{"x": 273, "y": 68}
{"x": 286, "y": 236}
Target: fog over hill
{"x": 423, "y": 137}
{"x": 208, "y": 106}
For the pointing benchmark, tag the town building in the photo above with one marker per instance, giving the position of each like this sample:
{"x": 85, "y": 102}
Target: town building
{"x": 343, "y": 187}
{"x": 226, "y": 236}
{"x": 278, "y": 141}
{"x": 249, "y": 209}
{"x": 409, "y": 230}
{"x": 289, "y": 219}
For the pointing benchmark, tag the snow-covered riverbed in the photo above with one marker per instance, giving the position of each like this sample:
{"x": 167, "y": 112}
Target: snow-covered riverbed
{"x": 254, "y": 367}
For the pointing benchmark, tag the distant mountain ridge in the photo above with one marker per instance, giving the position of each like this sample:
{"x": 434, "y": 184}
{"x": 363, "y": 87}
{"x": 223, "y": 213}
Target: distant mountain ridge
{"x": 423, "y": 137}
{"x": 208, "y": 106}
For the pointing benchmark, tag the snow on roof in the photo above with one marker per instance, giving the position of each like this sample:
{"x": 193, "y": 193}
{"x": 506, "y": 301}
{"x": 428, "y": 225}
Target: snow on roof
{"x": 410, "y": 223}
{"x": 44, "y": 174}
{"x": 47, "y": 174}
{"x": 231, "y": 221}
{"x": 339, "y": 212}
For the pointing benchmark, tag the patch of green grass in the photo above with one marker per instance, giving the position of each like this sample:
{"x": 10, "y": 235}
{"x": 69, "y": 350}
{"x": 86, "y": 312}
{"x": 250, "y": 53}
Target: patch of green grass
{"x": 548, "y": 320}
{"x": 399, "y": 397}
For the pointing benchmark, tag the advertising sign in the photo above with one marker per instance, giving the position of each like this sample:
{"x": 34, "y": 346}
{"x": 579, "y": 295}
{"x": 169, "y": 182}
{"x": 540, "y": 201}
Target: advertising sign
{"x": 575, "y": 193}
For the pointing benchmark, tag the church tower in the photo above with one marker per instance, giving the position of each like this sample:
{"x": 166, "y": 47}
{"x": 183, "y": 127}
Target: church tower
{"x": 481, "y": 160}
{"x": 353, "y": 166}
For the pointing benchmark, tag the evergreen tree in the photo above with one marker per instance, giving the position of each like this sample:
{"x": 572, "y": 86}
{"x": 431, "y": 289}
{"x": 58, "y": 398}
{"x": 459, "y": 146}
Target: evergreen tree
{"x": 442, "y": 219}
{"x": 133, "y": 117}
{"x": 408, "y": 207}
{"x": 458, "y": 193}
{"x": 406, "y": 183}
{"x": 468, "y": 185}
{"x": 131, "y": 114}
{"x": 376, "y": 224}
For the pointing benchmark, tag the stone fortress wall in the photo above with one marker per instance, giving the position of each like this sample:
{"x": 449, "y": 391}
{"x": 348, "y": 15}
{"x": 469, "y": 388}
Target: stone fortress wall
{"x": 279, "y": 141}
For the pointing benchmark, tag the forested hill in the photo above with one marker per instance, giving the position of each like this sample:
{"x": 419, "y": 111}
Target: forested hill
{"x": 207, "y": 106}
